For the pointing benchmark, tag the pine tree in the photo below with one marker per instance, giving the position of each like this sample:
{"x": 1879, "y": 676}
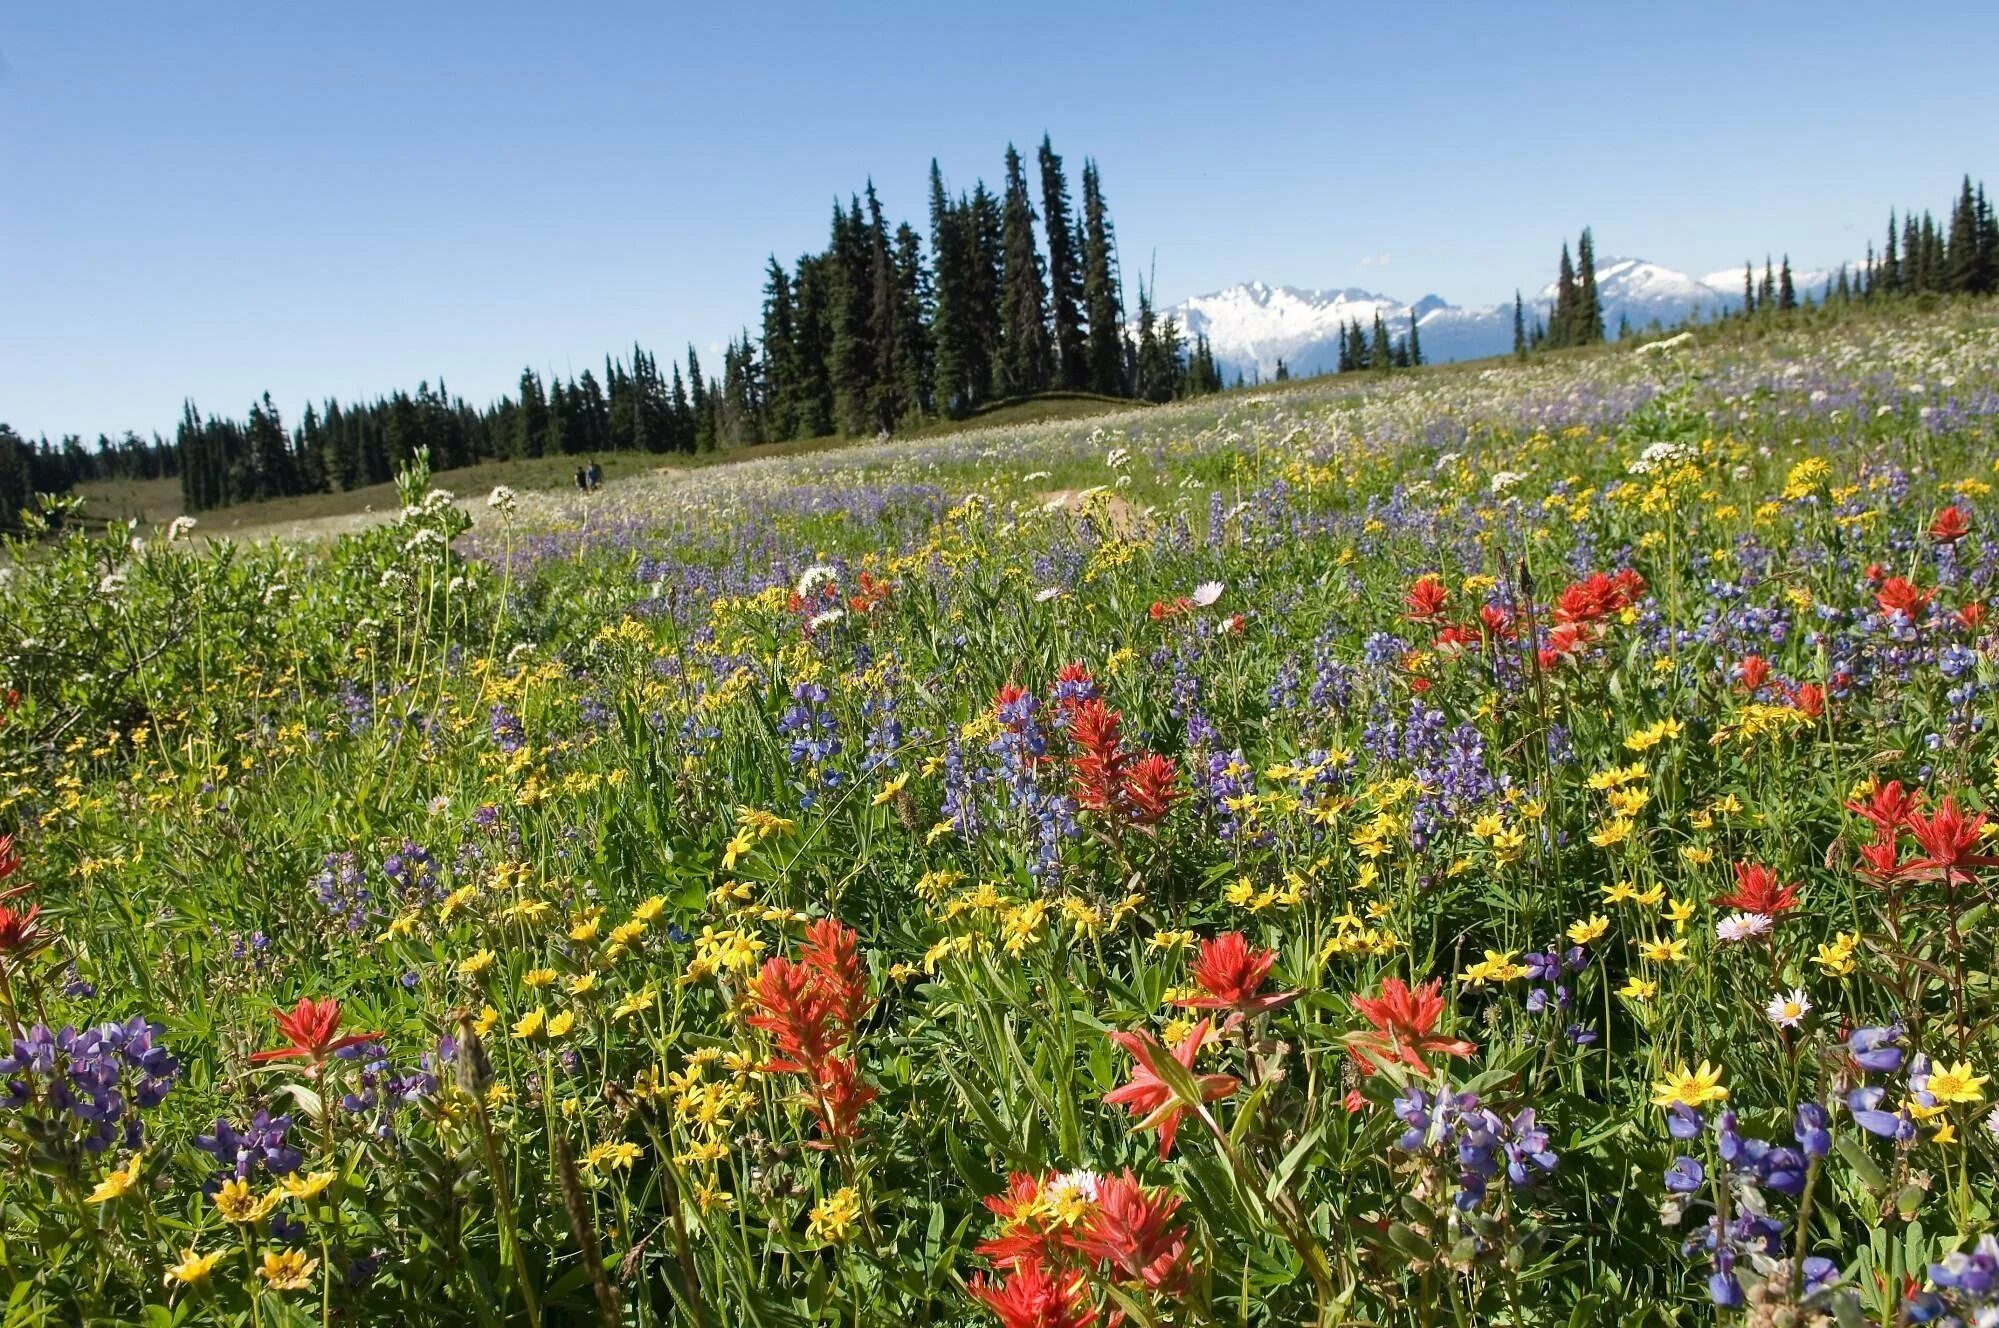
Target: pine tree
{"x": 852, "y": 362}
{"x": 814, "y": 349}
{"x": 1415, "y": 342}
{"x": 1519, "y": 326}
{"x": 1102, "y": 304}
{"x": 1888, "y": 277}
{"x": 701, "y": 436}
{"x": 914, "y": 301}
{"x": 1380, "y": 354}
{"x": 780, "y": 352}
{"x": 950, "y": 329}
{"x": 1588, "y": 329}
{"x": 1024, "y": 351}
{"x": 1283, "y": 374}
{"x": 532, "y": 423}
{"x": 1766, "y": 293}
{"x": 1787, "y": 293}
{"x": 1748, "y": 289}
{"x": 983, "y": 232}
{"x": 1562, "y": 323}
{"x": 1065, "y": 275}
{"x": 886, "y": 405}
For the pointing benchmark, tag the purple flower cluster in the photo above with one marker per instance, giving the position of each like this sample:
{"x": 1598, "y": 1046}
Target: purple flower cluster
{"x": 76, "y": 1087}
{"x": 1484, "y": 1144}
{"x": 1967, "y": 1289}
{"x": 1751, "y": 1167}
{"x": 260, "y": 1146}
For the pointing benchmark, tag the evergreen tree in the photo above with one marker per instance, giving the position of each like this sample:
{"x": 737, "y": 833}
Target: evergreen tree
{"x": 1748, "y": 289}
{"x": 701, "y": 436}
{"x": 1283, "y": 374}
{"x": 1519, "y": 325}
{"x": 1065, "y": 274}
{"x": 915, "y": 300}
{"x": 984, "y": 236}
{"x": 780, "y": 352}
{"x": 1024, "y": 350}
{"x": 1888, "y": 277}
{"x": 951, "y": 349}
{"x": 1787, "y": 293}
{"x": 1103, "y": 305}
{"x": 886, "y": 379}
{"x": 1568, "y": 297}
{"x": 850, "y": 270}
{"x": 531, "y": 426}
{"x": 1380, "y": 354}
{"x": 1588, "y": 329}
{"x": 1415, "y": 342}
{"x": 813, "y": 352}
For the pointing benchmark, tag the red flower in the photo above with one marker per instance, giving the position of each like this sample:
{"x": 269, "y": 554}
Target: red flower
{"x": 1130, "y": 1233}
{"x": 1971, "y": 617}
{"x": 811, "y": 1009}
{"x": 1756, "y": 891}
{"x": 1887, "y": 809}
{"x": 1947, "y": 839}
{"x": 1899, "y": 596}
{"x": 1074, "y": 683}
{"x": 872, "y": 593}
{"x": 1006, "y": 698}
{"x": 313, "y": 1029}
{"x": 10, "y": 860}
{"x": 1230, "y": 973}
{"x": 1027, "y": 1235}
{"x": 20, "y": 936}
{"x": 1456, "y": 639}
{"x": 1879, "y": 858}
{"x": 1160, "y": 612}
{"x": 1151, "y": 786}
{"x": 1035, "y": 1297}
{"x": 1426, "y": 599}
{"x": 1564, "y": 643}
{"x": 1950, "y": 526}
{"x": 1808, "y": 699}
{"x": 1753, "y": 672}
{"x": 1598, "y": 596}
{"x": 1148, "y": 1096}
{"x": 1402, "y": 1021}
{"x": 1098, "y": 763}
{"x": 1497, "y": 621}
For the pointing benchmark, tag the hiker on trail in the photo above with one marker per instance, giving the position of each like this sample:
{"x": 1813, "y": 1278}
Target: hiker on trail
{"x": 595, "y": 473}
{"x": 582, "y": 479}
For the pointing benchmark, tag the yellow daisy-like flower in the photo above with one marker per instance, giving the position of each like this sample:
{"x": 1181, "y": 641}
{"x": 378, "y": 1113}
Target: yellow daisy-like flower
{"x": 473, "y": 965}
{"x": 193, "y": 1268}
{"x": 835, "y": 1217}
{"x": 1957, "y": 1084}
{"x": 237, "y": 1203}
{"x": 890, "y": 789}
{"x": 617, "y": 1156}
{"x": 1689, "y": 1088}
{"x": 488, "y": 1020}
{"x": 1672, "y": 951}
{"x": 586, "y": 931}
{"x": 287, "y": 1270}
{"x": 582, "y": 984}
{"x": 1589, "y": 929}
{"x": 114, "y": 1185}
{"x": 308, "y": 1187}
{"x": 532, "y": 1024}
{"x": 560, "y": 1024}
{"x": 650, "y": 910}
{"x": 1638, "y": 989}
{"x": 637, "y": 1003}
{"x": 540, "y": 977}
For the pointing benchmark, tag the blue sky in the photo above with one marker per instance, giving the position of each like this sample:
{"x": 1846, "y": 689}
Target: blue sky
{"x": 213, "y": 200}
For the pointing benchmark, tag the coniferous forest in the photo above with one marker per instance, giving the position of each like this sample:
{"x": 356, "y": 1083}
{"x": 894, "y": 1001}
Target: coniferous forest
{"x": 1002, "y": 295}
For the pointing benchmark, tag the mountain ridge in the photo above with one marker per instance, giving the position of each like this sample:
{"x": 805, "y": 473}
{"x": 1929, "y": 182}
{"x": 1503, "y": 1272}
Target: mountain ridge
{"x": 1250, "y": 326}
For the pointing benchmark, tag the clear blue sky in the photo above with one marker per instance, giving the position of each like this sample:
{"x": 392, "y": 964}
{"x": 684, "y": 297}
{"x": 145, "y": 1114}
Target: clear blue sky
{"x": 212, "y": 200}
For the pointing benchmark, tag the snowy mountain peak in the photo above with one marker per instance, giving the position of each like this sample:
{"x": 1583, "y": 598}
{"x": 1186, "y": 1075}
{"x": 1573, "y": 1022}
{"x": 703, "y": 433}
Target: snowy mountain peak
{"x": 1253, "y": 325}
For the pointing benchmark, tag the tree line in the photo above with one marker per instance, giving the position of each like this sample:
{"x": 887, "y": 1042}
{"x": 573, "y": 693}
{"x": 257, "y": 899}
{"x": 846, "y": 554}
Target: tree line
{"x": 1005, "y": 295}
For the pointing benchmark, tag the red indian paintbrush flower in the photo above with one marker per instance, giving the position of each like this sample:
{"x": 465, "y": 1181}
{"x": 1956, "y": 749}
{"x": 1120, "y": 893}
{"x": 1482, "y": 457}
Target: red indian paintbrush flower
{"x": 10, "y": 858}
{"x": 1028, "y": 1232}
{"x": 1098, "y": 763}
{"x": 1426, "y": 599}
{"x": 832, "y": 952}
{"x": 313, "y": 1029}
{"x": 1151, "y": 786}
{"x": 1149, "y": 1097}
{"x": 811, "y": 1009}
{"x": 1035, "y": 1297}
{"x": 1498, "y": 620}
{"x": 1130, "y": 1233}
{"x": 1897, "y": 595}
{"x": 1807, "y": 698}
{"x": 1887, "y": 808}
{"x": 1753, "y": 673}
{"x": 20, "y": 936}
{"x": 1756, "y": 891}
{"x": 1950, "y": 525}
{"x": 1948, "y": 839}
{"x": 1230, "y": 973}
{"x": 1403, "y": 1019}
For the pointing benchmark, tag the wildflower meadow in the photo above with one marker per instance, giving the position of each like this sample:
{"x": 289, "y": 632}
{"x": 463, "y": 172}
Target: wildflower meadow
{"x": 1504, "y": 844}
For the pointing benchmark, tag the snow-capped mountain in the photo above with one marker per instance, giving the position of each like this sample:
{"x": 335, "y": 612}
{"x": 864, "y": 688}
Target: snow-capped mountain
{"x": 1252, "y": 326}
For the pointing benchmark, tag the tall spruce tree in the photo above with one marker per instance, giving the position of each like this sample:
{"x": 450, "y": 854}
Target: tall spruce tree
{"x": 1103, "y": 305}
{"x": 951, "y": 330}
{"x": 780, "y": 352}
{"x": 1065, "y": 275}
{"x": 1568, "y": 297}
{"x": 1519, "y": 325}
{"x": 1024, "y": 349}
{"x": 1588, "y": 329}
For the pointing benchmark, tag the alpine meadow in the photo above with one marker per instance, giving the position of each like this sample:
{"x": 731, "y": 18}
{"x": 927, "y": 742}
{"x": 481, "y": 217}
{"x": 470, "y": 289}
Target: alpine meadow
{"x": 990, "y": 788}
